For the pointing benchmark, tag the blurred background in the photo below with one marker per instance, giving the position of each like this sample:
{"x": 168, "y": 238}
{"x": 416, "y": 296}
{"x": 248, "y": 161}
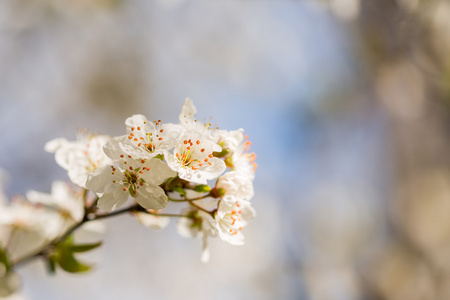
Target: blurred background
{"x": 347, "y": 103}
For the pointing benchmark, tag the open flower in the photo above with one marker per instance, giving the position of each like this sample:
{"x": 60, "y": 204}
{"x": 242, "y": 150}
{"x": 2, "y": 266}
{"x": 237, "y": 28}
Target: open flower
{"x": 232, "y": 215}
{"x": 193, "y": 158}
{"x": 145, "y": 139}
{"x": 80, "y": 157}
{"x": 139, "y": 178}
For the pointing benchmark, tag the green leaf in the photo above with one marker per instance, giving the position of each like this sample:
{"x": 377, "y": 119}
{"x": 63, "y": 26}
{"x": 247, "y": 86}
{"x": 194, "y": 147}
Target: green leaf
{"x": 64, "y": 256}
{"x": 179, "y": 190}
{"x": 159, "y": 156}
{"x": 68, "y": 263}
{"x": 83, "y": 247}
{"x": 202, "y": 188}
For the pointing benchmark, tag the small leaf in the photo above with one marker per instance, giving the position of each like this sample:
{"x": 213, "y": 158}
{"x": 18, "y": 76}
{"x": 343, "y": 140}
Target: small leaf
{"x": 179, "y": 190}
{"x": 84, "y": 247}
{"x": 68, "y": 263}
{"x": 202, "y": 188}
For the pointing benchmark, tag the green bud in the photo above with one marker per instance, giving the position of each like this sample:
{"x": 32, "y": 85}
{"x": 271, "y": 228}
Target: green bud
{"x": 179, "y": 190}
{"x": 229, "y": 162}
{"x": 202, "y": 188}
{"x": 224, "y": 153}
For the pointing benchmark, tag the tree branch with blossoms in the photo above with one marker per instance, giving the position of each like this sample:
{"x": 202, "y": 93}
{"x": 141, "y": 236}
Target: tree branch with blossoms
{"x": 208, "y": 171}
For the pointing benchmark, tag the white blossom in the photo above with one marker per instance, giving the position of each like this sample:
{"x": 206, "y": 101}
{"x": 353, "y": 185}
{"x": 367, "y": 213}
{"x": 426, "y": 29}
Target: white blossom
{"x": 193, "y": 159}
{"x": 145, "y": 139}
{"x": 139, "y": 178}
{"x": 236, "y": 184}
{"x": 232, "y": 215}
{"x": 80, "y": 157}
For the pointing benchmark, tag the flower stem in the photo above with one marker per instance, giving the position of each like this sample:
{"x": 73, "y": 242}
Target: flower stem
{"x": 188, "y": 200}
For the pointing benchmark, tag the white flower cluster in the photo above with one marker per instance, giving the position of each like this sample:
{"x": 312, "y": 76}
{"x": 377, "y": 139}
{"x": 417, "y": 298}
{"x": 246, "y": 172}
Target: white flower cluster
{"x": 209, "y": 171}
{"x": 155, "y": 163}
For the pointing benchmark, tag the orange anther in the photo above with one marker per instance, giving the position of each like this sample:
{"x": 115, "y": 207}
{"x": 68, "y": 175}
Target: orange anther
{"x": 130, "y": 137}
{"x": 139, "y": 128}
{"x": 121, "y": 155}
{"x": 139, "y": 144}
{"x": 202, "y": 150}
{"x": 210, "y": 156}
{"x": 132, "y": 128}
{"x": 188, "y": 147}
{"x": 185, "y": 142}
{"x": 161, "y": 130}
{"x": 142, "y": 160}
{"x": 124, "y": 188}
{"x": 198, "y": 142}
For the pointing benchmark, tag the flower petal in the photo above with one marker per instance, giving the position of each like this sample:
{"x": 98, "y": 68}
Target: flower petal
{"x": 151, "y": 197}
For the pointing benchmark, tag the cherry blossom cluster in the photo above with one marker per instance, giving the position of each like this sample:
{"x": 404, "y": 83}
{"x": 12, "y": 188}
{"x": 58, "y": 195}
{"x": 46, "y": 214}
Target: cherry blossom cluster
{"x": 206, "y": 172}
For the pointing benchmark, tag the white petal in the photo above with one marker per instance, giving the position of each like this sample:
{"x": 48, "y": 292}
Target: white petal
{"x": 188, "y": 112}
{"x": 151, "y": 197}
{"x": 55, "y": 144}
{"x": 216, "y": 168}
{"x": 101, "y": 180}
{"x": 111, "y": 201}
{"x": 159, "y": 172}
{"x": 136, "y": 121}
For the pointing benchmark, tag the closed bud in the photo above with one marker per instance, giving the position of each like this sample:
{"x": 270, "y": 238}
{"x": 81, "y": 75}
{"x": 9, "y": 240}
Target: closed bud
{"x": 202, "y": 188}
